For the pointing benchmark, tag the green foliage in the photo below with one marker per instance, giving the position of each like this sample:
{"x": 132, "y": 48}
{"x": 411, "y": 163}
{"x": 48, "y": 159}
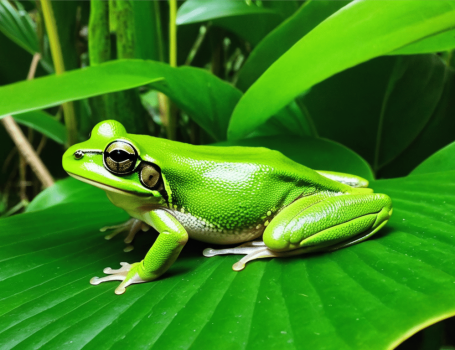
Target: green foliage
{"x": 398, "y": 94}
{"x": 44, "y": 123}
{"x": 54, "y": 90}
{"x": 18, "y": 26}
{"x": 284, "y": 37}
{"x": 248, "y": 20}
{"x": 443, "y": 160}
{"x": 444, "y": 41}
{"x": 362, "y": 87}
{"x": 208, "y": 100}
{"x": 322, "y": 53}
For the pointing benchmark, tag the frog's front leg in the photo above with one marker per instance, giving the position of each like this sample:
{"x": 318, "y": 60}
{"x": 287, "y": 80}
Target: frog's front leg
{"x": 167, "y": 247}
{"x": 317, "y": 223}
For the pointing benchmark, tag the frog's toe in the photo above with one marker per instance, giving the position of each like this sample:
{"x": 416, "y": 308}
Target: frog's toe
{"x": 127, "y": 274}
{"x": 125, "y": 267}
{"x": 117, "y": 228}
{"x": 252, "y": 244}
{"x": 132, "y": 226}
{"x": 113, "y": 275}
{"x": 128, "y": 248}
{"x": 209, "y": 252}
{"x": 135, "y": 227}
{"x": 127, "y": 282}
{"x": 243, "y": 249}
{"x": 252, "y": 250}
{"x": 256, "y": 253}
{"x": 97, "y": 280}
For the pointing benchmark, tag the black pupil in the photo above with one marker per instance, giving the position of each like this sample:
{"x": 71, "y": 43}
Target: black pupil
{"x": 119, "y": 155}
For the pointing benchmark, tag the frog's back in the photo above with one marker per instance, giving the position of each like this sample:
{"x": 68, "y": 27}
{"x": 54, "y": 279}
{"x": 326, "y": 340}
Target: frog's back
{"x": 232, "y": 189}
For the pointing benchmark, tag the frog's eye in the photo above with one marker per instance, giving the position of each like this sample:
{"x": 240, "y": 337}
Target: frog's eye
{"x": 149, "y": 176}
{"x": 120, "y": 157}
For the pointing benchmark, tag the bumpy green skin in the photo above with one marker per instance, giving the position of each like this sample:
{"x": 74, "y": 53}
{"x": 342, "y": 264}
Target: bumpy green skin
{"x": 229, "y": 195}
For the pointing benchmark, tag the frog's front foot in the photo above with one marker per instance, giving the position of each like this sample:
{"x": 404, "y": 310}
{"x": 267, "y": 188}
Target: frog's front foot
{"x": 252, "y": 250}
{"x": 132, "y": 226}
{"x": 127, "y": 274}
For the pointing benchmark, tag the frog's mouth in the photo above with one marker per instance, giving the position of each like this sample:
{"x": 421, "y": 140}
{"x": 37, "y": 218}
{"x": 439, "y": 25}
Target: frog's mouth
{"x": 107, "y": 187}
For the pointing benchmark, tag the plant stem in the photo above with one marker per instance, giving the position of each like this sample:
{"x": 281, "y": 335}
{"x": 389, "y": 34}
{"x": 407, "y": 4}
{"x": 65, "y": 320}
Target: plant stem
{"x": 171, "y": 111}
{"x": 172, "y": 33}
{"x": 22, "y": 162}
{"x": 125, "y": 30}
{"x": 57, "y": 57}
{"x": 99, "y": 43}
{"x": 159, "y": 32}
{"x": 99, "y": 50}
{"x": 125, "y": 106}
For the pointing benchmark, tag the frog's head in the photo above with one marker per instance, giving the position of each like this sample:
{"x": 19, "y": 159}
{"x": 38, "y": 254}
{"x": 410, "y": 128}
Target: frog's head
{"x": 111, "y": 160}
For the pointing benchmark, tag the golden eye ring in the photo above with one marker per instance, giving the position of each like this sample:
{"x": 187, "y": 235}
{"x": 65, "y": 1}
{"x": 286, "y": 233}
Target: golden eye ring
{"x": 120, "y": 157}
{"x": 150, "y": 176}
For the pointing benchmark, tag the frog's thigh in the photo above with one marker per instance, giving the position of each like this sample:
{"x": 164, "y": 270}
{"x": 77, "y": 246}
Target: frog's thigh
{"x": 329, "y": 224}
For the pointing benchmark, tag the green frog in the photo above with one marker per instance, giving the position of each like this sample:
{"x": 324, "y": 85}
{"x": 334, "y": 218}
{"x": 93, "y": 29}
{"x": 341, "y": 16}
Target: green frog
{"x": 223, "y": 196}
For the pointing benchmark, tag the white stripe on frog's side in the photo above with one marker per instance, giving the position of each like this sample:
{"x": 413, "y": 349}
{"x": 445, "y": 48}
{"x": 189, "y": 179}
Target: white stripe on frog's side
{"x": 201, "y": 230}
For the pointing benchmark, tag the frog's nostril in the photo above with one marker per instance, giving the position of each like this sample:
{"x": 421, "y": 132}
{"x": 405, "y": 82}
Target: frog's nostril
{"x": 78, "y": 154}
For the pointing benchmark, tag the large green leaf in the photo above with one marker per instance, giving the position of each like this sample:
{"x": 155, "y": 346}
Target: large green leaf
{"x": 368, "y": 296}
{"x": 73, "y": 85}
{"x": 44, "y": 123}
{"x": 339, "y": 42}
{"x": 379, "y": 107}
{"x": 206, "y": 98}
{"x": 68, "y": 190}
{"x": 283, "y": 37}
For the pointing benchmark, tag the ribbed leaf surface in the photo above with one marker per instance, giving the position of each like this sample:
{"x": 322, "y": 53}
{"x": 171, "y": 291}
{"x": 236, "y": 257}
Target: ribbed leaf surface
{"x": 368, "y": 296}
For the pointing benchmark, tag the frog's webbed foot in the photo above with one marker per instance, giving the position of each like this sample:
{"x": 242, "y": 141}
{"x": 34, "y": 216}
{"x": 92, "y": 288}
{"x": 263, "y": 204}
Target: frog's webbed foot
{"x": 127, "y": 274}
{"x": 132, "y": 226}
{"x": 252, "y": 250}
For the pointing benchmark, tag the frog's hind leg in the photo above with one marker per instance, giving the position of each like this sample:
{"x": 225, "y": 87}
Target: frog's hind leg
{"x": 329, "y": 224}
{"x": 316, "y": 223}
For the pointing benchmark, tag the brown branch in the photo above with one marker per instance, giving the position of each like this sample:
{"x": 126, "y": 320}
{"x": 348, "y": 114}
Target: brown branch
{"x": 27, "y": 151}
{"x": 23, "y": 145}
{"x": 33, "y": 65}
